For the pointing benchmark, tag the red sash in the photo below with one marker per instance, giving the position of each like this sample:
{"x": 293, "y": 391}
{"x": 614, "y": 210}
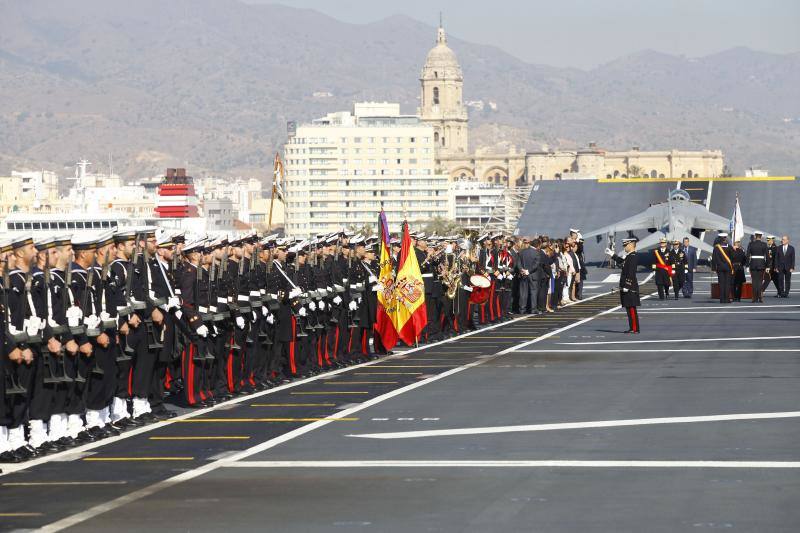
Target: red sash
{"x": 662, "y": 264}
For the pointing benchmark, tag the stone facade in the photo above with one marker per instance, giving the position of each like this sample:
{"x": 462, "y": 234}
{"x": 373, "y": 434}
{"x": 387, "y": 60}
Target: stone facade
{"x": 442, "y": 106}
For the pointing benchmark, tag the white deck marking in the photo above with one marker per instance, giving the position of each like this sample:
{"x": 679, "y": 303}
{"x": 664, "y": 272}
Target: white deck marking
{"x": 126, "y": 499}
{"x": 718, "y": 339}
{"x": 514, "y": 464}
{"x": 663, "y": 350}
{"x": 733, "y": 312}
{"x": 714, "y": 307}
{"x": 577, "y": 425}
{"x": 72, "y": 454}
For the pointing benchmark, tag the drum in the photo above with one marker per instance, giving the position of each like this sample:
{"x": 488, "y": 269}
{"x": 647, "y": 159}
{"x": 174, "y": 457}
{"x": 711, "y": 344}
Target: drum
{"x": 481, "y": 289}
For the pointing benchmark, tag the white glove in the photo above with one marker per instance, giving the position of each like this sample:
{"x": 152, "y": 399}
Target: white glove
{"x": 312, "y": 306}
{"x": 264, "y": 310}
{"x": 609, "y": 252}
{"x": 353, "y": 306}
{"x": 378, "y": 287}
{"x": 174, "y": 302}
{"x": 91, "y": 321}
{"x": 624, "y": 289}
{"x": 294, "y": 293}
{"x": 74, "y": 316}
{"x": 322, "y": 306}
{"x": 240, "y": 322}
{"x": 270, "y": 318}
{"x": 203, "y": 331}
{"x": 337, "y": 300}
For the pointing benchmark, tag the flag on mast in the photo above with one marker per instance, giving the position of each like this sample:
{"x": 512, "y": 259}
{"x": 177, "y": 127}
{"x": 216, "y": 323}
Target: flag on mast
{"x": 384, "y": 324}
{"x": 277, "y": 179}
{"x": 737, "y": 226}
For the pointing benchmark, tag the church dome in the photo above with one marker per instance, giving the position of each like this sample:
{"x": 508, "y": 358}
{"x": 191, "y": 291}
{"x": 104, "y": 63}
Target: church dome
{"x": 441, "y": 61}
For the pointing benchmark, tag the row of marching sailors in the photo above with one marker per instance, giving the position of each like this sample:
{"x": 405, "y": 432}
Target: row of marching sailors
{"x": 98, "y": 332}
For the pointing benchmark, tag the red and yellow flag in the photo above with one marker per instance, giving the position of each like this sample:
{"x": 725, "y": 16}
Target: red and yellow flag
{"x": 410, "y": 316}
{"x": 384, "y": 324}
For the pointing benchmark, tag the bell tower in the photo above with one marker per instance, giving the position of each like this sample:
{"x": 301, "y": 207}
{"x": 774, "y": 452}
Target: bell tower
{"x": 441, "y": 102}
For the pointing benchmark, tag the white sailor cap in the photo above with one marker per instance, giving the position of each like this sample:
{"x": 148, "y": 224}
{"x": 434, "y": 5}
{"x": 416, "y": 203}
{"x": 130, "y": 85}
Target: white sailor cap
{"x": 770, "y": 237}
{"x": 722, "y": 234}
{"x": 195, "y": 246}
{"x": 164, "y": 238}
{"x": 357, "y": 240}
{"x": 45, "y": 243}
{"x": 86, "y": 241}
{"x": 629, "y": 239}
{"x": 573, "y": 230}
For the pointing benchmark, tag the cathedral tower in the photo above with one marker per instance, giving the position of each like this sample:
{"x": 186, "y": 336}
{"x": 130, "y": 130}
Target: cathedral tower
{"x": 442, "y": 104}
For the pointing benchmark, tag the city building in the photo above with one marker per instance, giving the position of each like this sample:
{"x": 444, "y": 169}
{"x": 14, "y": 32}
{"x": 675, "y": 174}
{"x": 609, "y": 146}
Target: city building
{"x": 442, "y": 106}
{"x": 343, "y": 168}
{"x": 27, "y": 190}
{"x": 473, "y": 204}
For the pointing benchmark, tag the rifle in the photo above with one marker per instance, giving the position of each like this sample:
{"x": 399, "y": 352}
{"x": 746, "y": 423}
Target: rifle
{"x": 352, "y": 316}
{"x": 13, "y": 386}
{"x": 55, "y": 329}
{"x": 153, "y": 340}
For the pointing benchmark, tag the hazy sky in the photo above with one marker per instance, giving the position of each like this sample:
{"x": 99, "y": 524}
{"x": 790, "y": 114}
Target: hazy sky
{"x": 585, "y": 33}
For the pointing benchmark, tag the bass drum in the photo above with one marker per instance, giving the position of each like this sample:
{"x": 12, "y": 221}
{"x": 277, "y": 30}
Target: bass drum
{"x": 481, "y": 289}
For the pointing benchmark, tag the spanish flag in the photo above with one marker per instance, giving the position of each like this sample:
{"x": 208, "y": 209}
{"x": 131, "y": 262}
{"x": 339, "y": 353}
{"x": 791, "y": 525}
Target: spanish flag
{"x": 410, "y": 316}
{"x": 384, "y": 324}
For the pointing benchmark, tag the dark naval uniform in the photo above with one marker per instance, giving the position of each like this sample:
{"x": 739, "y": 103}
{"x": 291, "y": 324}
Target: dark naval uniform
{"x": 629, "y": 289}
{"x": 678, "y": 260}
{"x": 721, "y": 263}
{"x": 757, "y": 252}
{"x": 738, "y": 258}
{"x": 662, "y": 275}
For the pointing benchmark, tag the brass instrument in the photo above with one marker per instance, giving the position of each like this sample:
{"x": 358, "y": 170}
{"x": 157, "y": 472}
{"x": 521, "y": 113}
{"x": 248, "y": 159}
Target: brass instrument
{"x": 451, "y": 276}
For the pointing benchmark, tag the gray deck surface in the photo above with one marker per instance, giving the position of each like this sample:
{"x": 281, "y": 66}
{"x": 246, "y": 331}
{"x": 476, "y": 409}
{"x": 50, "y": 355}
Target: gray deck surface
{"x": 565, "y": 374}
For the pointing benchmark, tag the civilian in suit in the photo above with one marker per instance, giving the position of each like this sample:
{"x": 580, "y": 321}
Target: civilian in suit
{"x": 530, "y": 269}
{"x": 691, "y": 266}
{"x": 769, "y": 272}
{"x": 784, "y": 266}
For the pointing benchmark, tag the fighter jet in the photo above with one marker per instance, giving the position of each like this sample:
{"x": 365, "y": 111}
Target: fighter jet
{"x": 673, "y": 220}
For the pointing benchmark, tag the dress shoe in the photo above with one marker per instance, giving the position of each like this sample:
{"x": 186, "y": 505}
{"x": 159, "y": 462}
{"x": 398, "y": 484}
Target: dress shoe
{"x": 147, "y": 418}
{"x": 165, "y": 414}
{"x": 111, "y": 430}
{"x": 97, "y": 432}
{"x": 9, "y": 457}
{"x": 67, "y": 442}
{"x": 84, "y": 437}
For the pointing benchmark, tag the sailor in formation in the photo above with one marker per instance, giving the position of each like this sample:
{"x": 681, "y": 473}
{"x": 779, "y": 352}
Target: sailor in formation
{"x": 100, "y": 333}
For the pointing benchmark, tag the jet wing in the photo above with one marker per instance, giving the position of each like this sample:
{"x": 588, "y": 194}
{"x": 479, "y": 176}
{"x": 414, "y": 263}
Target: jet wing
{"x": 711, "y": 221}
{"x": 652, "y": 217}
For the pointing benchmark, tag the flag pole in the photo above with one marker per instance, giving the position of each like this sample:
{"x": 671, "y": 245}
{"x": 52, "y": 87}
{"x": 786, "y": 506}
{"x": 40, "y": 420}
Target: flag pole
{"x": 271, "y": 204}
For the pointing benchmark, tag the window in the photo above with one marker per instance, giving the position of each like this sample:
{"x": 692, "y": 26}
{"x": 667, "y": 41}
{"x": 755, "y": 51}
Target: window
{"x": 356, "y": 139}
{"x": 435, "y": 96}
{"x": 412, "y": 139}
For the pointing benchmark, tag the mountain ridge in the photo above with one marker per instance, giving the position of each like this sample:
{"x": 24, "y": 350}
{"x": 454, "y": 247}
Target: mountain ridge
{"x": 211, "y": 84}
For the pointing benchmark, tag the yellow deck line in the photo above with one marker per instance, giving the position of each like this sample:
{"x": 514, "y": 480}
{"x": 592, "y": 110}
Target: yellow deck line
{"x": 60, "y": 483}
{"x": 388, "y": 373}
{"x": 658, "y": 180}
{"x": 412, "y": 366}
{"x": 312, "y": 393}
{"x": 315, "y": 419}
{"x": 292, "y": 405}
{"x": 19, "y": 515}
{"x": 201, "y": 438}
{"x": 360, "y": 383}
{"x": 138, "y": 458}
